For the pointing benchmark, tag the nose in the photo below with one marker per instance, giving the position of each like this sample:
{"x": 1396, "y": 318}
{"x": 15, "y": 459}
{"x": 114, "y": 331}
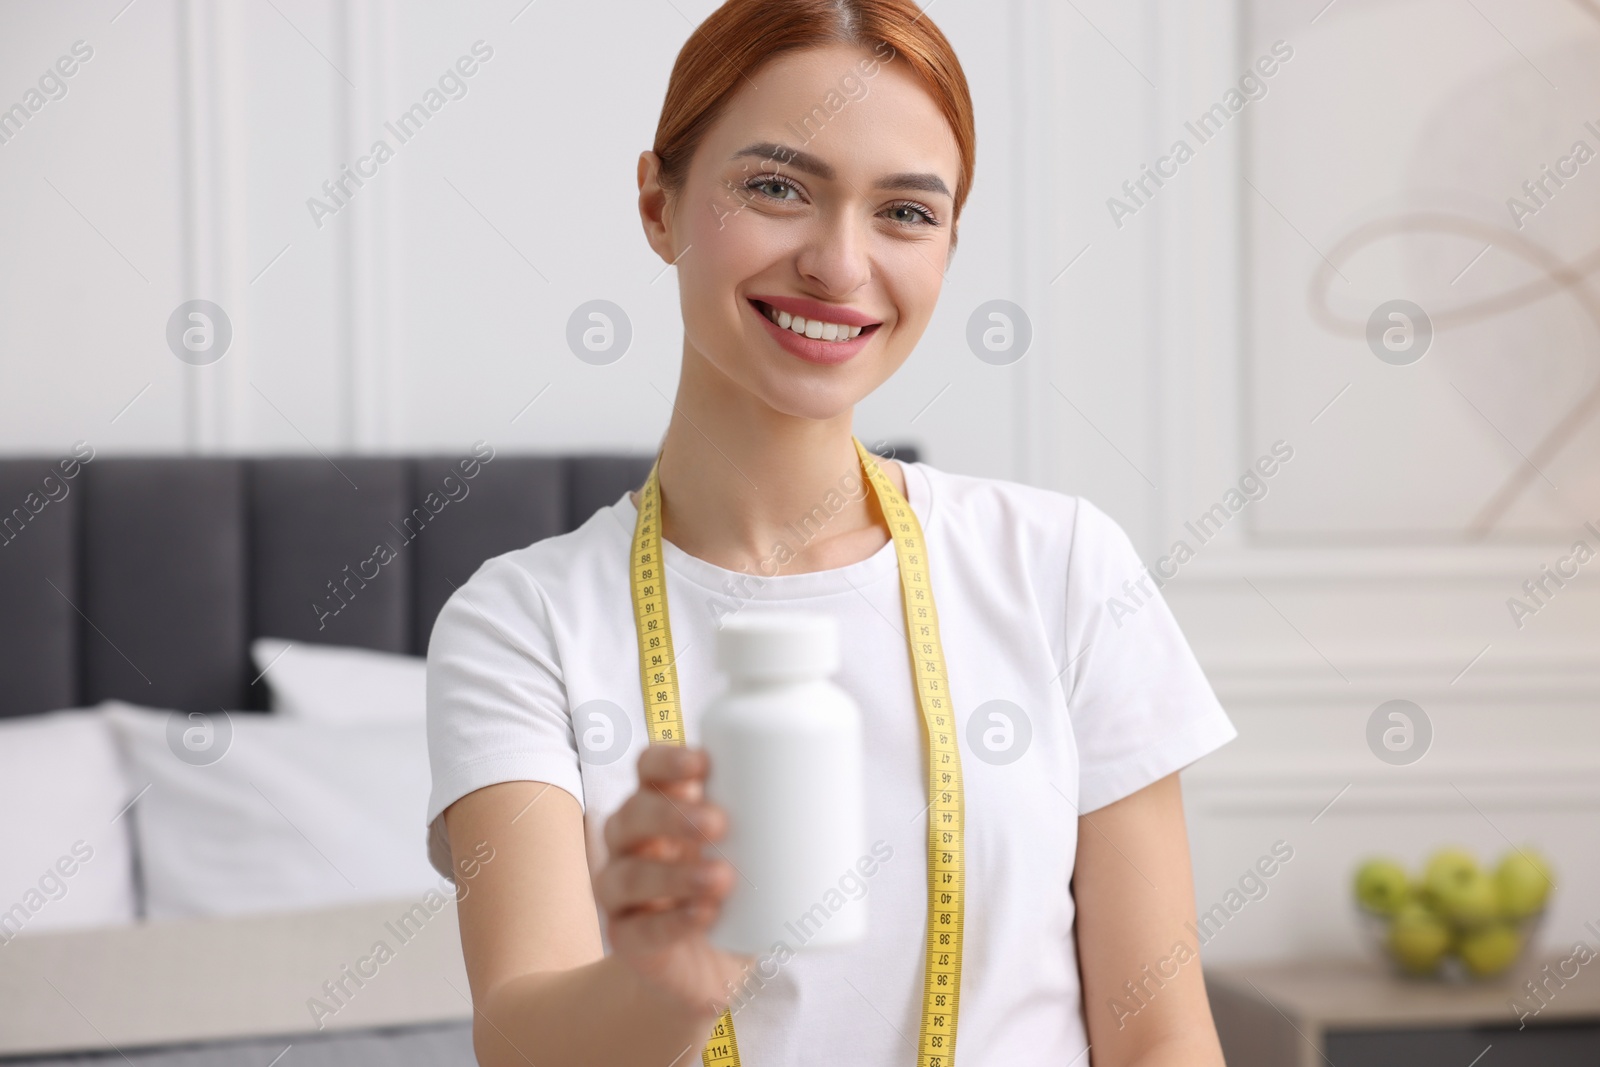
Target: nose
{"x": 835, "y": 256}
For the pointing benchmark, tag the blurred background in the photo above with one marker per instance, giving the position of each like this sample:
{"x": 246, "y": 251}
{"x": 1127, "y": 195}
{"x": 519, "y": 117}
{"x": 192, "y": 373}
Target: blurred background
{"x": 1373, "y": 258}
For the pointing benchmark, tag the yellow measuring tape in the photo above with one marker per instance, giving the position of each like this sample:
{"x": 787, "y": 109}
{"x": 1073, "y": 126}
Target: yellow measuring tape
{"x": 658, "y": 673}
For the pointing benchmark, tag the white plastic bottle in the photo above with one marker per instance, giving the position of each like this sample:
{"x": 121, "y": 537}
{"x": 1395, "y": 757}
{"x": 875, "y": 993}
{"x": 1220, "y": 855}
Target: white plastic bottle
{"x": 787, "y": 769}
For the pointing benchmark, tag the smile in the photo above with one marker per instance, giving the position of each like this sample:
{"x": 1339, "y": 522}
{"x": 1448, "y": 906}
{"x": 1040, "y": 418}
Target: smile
{"x": 812, "y": 328}
{"x": 812, "y": 331}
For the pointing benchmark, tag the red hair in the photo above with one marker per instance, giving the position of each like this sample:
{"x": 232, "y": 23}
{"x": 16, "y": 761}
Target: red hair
{"x": 741, "y": 35}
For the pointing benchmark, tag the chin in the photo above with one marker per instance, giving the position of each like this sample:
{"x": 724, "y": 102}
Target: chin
{"x": 808, "y": 400}
{"x": 818, "y": 405}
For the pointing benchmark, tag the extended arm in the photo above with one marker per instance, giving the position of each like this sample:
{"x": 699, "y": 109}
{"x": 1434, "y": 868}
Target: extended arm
{"x": 542, "y": 991}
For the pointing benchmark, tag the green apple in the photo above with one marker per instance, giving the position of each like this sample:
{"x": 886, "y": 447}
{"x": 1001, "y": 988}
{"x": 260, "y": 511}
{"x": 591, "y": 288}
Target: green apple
{"x": 1459, "y": 889}
{"x": 1489, "y": 950}
{"x": 1418, "y": 939}
{"x": 1469, "y": 899}
{"x": 1448, "y": 864}
{"x": 1382, "y": 886}
{"x": 1524, "y": 881}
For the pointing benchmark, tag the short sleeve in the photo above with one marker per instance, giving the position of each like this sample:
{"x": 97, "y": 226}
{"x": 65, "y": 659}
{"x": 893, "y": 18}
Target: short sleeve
{"x": 1141, "y": 707}
{"x": 497, "y": 704}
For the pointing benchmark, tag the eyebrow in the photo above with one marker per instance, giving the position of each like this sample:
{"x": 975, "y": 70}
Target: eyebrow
{"x": 810, "y": 164}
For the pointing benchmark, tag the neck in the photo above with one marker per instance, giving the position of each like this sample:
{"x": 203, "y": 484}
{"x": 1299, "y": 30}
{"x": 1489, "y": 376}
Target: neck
{"x": 753, "y": 489}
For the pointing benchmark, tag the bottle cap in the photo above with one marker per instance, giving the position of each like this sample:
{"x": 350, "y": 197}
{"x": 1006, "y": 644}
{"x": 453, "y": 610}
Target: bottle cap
{"x": 772, "y": 644}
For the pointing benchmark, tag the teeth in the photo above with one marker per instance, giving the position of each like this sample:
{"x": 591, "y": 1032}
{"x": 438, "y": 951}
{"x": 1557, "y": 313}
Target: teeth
{"x": 813, "y": 328}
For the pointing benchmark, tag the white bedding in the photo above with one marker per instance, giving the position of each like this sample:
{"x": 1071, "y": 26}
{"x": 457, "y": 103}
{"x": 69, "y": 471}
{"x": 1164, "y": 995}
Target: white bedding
{"x": 292, "y": 815}
{"x": 65, "y": 847}
{"x": 279, "y": 862}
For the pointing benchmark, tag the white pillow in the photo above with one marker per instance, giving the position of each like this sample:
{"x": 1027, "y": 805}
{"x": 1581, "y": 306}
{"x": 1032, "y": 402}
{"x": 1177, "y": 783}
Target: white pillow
{"x": 252, "y": 813}
{"x": 336, "y": 684}
{"x": 66, "y": 859}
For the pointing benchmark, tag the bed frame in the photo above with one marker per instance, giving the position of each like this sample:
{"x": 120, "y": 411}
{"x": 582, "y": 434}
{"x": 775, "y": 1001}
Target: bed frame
{"x": 145, "y": 579}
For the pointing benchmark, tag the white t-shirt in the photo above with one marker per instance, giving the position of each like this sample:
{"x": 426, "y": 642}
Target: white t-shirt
{"x": 1098, "y": 707}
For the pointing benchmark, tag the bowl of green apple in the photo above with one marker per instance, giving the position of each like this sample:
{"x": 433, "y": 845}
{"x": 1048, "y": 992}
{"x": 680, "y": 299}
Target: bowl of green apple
{"x": 1458, "y": 921}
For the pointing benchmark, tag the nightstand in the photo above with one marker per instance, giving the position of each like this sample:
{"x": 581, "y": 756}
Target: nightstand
{"x": 1356, "y": 1014}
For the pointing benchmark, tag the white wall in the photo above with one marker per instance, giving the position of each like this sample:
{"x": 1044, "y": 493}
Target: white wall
{"x": 1169, "y": 352}
{"x": 427, "y": 312}
{"x": 1367, "y": 573}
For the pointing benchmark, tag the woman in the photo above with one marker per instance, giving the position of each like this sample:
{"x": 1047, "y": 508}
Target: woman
{"x": 810, "y": 164}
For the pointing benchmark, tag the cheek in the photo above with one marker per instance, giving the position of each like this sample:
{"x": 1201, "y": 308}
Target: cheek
{"x": 725, "y": 244}
{"x": 718, "y": 260}
{"x": 911, "y": 275}
{"x": 736, "y": 233}
{"x": 727, "y": 249}
{"x": 711, "y": 206}
{"x": 707, "y": 212}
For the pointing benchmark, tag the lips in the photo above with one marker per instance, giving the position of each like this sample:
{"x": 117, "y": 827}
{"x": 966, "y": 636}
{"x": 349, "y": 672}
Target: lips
{"x": 829, "y": 334}
{"x": 815, "y": 309}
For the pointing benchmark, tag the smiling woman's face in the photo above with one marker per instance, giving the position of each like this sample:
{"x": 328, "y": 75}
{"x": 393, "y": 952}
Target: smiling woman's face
{"x": 792, "y": 211}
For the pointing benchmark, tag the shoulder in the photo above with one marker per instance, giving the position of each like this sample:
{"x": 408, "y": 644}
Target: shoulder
{"x": 570, "y": 558}
{"x": 1063, "y": 540}
{"x": 1056, "y": 520}
{"x": 525, "y": 584}
{"x": 962, "y": 493}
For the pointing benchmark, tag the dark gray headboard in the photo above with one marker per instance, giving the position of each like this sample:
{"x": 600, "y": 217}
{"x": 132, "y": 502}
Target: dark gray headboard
{"x": 145, "y": 579}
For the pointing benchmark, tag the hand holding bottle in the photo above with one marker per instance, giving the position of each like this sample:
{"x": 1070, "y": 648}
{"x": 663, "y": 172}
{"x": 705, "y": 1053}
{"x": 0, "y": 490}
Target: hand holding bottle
{"x": 663, "y": 885}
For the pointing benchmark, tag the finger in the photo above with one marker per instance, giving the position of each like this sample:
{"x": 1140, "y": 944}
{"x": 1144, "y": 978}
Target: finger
{"x": 644, "y": 932}
{"x": 688, "y": 790}
{"x": 675, "y": 769}
{"x": 644, "y": 816}
{"x": 666, "y": 849}
{"x": 629, "y": 882}
{"x": 649, "y": 813}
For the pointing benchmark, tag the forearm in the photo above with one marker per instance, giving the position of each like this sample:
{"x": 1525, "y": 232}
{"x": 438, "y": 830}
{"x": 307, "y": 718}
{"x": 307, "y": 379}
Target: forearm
{"x": 600, "y": 1013}
{"x": 1195, "y": 1050}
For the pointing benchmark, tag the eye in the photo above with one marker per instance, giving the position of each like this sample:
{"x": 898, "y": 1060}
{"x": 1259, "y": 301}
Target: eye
{"x": 910, "y": 214}
{"x": 774, "y": 187}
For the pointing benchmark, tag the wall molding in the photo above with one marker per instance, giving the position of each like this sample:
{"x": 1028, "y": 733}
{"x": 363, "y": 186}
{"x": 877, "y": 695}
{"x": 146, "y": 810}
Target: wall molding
{"x": 1353, "y": 598}
{"x": 1511, "y": 563}
{"x": 1032, "y": 101}
{"x": 1557, "y": 686}
{"x": 214, "y": 115}
{"x": 212, "y": 112}
{"x": 366, "y": 243}
{"x": 1308, "y": 783}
